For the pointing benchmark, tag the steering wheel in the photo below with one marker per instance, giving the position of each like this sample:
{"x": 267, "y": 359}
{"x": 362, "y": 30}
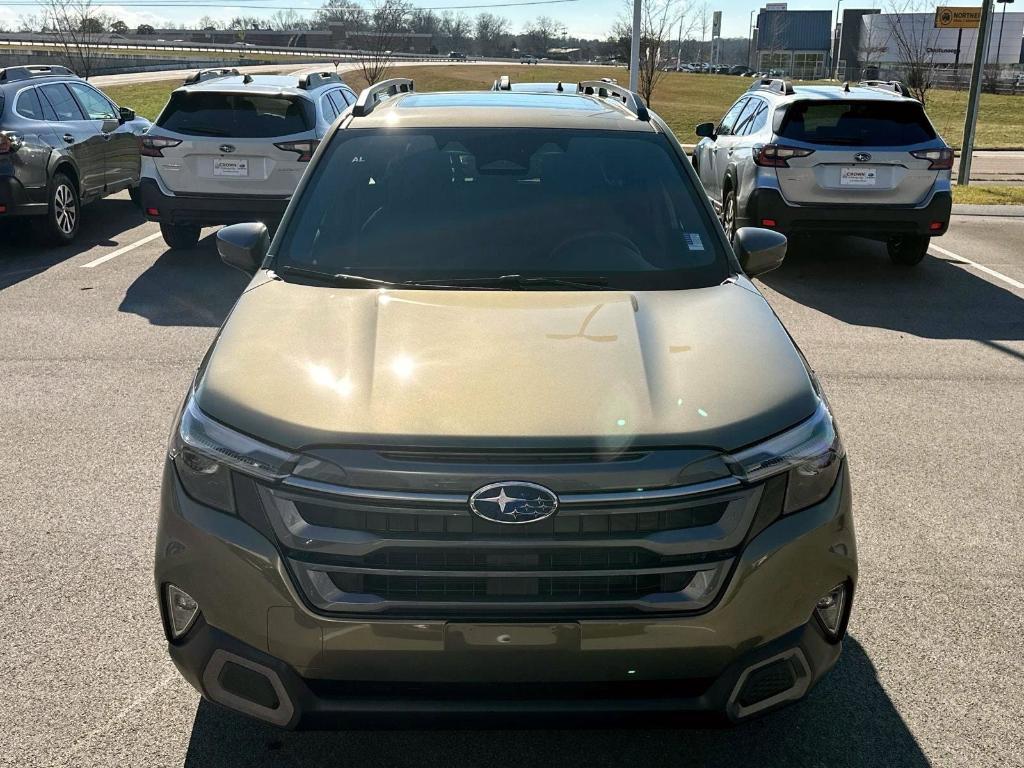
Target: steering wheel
{"x": 586, "y": 243}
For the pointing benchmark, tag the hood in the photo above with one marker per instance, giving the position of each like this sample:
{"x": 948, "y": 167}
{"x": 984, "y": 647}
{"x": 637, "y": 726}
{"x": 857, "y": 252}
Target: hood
{"x": 299, "y": 366}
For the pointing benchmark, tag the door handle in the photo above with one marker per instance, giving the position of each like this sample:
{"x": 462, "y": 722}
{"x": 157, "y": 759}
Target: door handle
{"x": 69, "y": 138}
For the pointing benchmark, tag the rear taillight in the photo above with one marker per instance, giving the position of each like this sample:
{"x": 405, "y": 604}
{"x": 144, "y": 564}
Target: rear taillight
{"x": 9, "y": 142}
{"x": 304, "y": 148}
{"x": 153, "y": 146}
{"x": 777, "y": 155}
{"x": 941, "y": 159}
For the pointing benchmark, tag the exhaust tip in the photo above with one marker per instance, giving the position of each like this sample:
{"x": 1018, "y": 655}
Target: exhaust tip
{"x": 248, "y": 687}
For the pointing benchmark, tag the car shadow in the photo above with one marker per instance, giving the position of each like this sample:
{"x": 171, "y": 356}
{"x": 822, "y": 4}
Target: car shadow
{"x": 186, "y": 287}
{"x": 22, "y": 255}
{"x": 847, "y": 720}
{"x": 852, "y": 280}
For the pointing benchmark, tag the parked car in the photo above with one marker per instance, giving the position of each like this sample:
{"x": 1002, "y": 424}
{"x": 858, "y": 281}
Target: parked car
{"x": 503, "y": 425}
{"x": 230, "y": 147}
{"x": 63, "y": 144}
{"x": 860, "y": 160}
{"x": 740, "y": 69}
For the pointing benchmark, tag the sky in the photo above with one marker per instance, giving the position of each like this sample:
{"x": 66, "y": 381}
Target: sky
{"x": 582, "y": 18}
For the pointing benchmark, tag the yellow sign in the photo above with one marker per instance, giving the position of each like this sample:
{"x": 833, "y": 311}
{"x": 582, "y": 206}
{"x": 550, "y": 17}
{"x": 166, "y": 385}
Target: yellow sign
{"x": 948, "y": 17}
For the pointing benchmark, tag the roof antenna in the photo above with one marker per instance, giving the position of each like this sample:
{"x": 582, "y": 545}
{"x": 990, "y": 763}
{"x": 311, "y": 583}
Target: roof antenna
{"x": 559, "y": 88}
{"x": 247, "y": 78}
{"x": 846, "y": 86}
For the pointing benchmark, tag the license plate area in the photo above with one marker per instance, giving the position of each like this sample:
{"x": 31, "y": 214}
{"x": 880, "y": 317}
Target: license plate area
{"x": 510, "y": 637}
{"x": 857, "y": 176}
{"x": 231, "y": 166}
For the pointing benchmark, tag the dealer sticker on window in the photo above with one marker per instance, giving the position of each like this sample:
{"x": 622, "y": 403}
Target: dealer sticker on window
{"x": 693, "y": 241}
{"x": 230, "y": 166}
{"x": 855, "y": 176}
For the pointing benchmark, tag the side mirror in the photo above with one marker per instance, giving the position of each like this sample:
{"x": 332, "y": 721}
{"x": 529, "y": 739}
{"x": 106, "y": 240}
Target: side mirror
{"x": 706, "y": 130}
{"x": 244, "y": 246}
{"x": 759, "y": 250}
{"x": 127, "y": 114}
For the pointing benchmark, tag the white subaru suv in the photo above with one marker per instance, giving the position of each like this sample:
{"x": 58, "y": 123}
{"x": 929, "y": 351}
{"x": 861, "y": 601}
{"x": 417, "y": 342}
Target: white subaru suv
{"x": 229, "y": 147}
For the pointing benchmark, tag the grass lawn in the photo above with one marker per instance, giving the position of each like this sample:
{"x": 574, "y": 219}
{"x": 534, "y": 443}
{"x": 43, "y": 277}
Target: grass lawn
{"x": 682, "y": 99}
{"x": 989, "y": 194}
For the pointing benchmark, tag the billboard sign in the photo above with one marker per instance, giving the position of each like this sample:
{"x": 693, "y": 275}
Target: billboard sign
{"x": 957, "y": 17}
{"x": 716, "y": 24}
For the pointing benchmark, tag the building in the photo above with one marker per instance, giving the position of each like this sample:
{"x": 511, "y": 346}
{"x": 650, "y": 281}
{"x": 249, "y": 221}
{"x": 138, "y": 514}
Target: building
{"x": 878, "y": 40}
{"x": 848, "y": 56}
{"x": 795, "y": 42}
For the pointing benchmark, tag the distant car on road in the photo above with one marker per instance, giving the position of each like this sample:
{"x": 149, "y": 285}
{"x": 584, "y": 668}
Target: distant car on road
{"x": 528, "y": 58}
{"x": 63, "y": 143}
{"x": 859, "y": 160}
{"x": 230, "y": 147}
{"x": 456, "y": 55}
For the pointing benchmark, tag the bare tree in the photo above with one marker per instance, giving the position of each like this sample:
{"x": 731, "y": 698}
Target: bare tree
{"x": 77, "y": 25}
{"x": 387, "y": 20}
{"x": 456, "y": 27}
{"x": 915, "y": 45}
{"x": 286, "y": 20}
{"x": 492, "y": 34}
{"x": 542, "y": 32}
{"x": 349, "y": 16}
{"x": 658, "y": 19}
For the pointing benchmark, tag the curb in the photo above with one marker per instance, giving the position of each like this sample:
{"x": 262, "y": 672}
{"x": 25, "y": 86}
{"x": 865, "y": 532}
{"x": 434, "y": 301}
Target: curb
{"x": 1006, "y": 211}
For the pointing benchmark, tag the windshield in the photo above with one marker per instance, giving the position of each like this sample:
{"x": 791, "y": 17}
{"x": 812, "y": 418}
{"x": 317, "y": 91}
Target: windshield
{"x": 238, "y": 115}
{"x": 602, "y": 208}
{"x": 857, "y": 123}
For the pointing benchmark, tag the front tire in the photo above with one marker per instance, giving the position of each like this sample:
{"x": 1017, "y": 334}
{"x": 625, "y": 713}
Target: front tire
{"x": 180, "y": 237}
{"x": 61, "y": 223}
{"x": 907, "y": 251}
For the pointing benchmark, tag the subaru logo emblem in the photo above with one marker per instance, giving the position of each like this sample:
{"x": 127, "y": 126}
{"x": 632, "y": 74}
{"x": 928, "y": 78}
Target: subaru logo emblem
{"x": 513, "y": 503}
{"x": 862, "y": 157}
{"x": 228, "y": 148}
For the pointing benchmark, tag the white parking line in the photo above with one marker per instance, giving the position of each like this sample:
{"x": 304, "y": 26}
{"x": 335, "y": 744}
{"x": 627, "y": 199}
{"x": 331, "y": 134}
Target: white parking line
{"x": 981, "y": 267}
{"x": 120, "y": 251}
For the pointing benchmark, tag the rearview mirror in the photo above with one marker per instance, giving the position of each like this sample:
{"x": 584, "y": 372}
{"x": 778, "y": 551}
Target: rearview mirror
{"x": 127, "y": 114}
{"x": 706, "y": 130}
{"x": 759, "y": 250}
{"x": 244, "y": 246}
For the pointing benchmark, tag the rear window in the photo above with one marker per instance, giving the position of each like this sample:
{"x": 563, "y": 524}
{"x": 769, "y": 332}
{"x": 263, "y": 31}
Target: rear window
{"x": 459, "y": 203}
{"x": 857, "y": 123}
{"x": 238, "y": 115}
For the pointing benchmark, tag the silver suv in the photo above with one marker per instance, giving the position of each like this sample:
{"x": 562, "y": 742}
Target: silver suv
{"x": 230, "y": 147}
{"x": 861, "y": 160}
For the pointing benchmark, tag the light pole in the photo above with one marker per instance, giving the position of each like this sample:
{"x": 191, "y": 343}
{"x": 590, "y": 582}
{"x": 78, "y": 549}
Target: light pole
{"x": 750, "y": 36}
{"x": 838, "y": 40}
{"x": 634, "y": 50}
{"x": 1002, "y": 21}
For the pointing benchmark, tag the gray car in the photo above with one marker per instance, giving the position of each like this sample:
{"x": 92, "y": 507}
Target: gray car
{"x": 63, "y": 143}
{"x": 862, "y": 160}
{"x": 229, "y": 147}
{"x": 501, "y": 425}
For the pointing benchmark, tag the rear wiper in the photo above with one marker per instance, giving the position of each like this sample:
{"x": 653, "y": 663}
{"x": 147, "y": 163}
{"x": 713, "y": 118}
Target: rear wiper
{"x": 521, "y": 281}
{"x": 199, "y": 130}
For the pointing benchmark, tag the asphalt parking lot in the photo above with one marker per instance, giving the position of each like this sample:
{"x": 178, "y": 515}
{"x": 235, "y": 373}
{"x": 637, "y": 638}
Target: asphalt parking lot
{"x": 924, "y": 367}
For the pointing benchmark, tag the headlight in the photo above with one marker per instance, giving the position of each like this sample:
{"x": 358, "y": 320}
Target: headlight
{"x": 811, "y": 453}
{"x": 205, "y": 452}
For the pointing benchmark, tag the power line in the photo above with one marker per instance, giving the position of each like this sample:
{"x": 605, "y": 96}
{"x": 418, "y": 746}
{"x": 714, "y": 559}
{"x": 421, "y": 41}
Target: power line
{"x": 177, "y": 4}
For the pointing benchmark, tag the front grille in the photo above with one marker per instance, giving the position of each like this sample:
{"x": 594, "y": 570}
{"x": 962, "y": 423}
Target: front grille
{"x": 467, "y": 526}
{"x": 608, "y": 554}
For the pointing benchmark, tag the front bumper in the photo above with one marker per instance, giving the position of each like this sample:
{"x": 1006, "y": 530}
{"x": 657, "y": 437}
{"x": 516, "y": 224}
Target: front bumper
{"x": 873, "y": 221}
{"x": 322, "y": 669}
{"x": 207, "y": 210}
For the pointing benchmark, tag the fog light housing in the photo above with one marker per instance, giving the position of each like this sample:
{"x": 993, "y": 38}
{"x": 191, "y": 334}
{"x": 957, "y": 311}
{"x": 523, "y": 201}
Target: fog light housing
{"x": 830, "y": 610}
{"x": 182, "y": 610}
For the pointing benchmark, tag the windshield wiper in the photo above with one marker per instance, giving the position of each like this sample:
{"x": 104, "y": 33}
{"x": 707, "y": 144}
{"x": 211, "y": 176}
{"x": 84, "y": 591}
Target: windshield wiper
{"x": 523, "y": 281}
{"x": 339, "y": 279}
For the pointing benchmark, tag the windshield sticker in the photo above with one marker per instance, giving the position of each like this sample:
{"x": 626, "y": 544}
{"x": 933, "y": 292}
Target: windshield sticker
{"x": 693, "y": 241}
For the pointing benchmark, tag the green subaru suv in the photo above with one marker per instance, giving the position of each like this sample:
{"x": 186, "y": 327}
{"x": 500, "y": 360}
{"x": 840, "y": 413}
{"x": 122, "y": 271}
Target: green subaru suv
{"x": 501, "y": 425}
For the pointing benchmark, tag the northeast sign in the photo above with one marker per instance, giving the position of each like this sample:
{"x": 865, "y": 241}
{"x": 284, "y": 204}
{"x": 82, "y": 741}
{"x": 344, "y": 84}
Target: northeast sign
{"x": 957, "y": 17}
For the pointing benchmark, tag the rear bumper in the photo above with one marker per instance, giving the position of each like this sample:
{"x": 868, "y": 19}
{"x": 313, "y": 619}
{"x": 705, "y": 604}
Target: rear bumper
{"x": 873, "y": 221}
{"x": 322, "y": 668}
{"x": 18, "y": 200}
{"x": 207, "y": 209}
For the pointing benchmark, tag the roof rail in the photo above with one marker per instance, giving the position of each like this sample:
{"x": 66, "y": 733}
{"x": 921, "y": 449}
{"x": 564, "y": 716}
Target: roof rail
{"x": 10, "y": 74}
{"x": 894, "y": 86}
{"x": 318, "y": 79}
{"x": 777, "y": 84}
{"x": 369, "y": 97}
{"x": 208, "y": 74}
{"x": 503, "y": 83}
{"x": 608, "y": 88}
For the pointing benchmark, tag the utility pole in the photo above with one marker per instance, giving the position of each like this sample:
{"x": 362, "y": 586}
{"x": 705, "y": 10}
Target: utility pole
{"x": 634, "y": 50}
{"x": 750, "y": 36}
{"x": 963, "y": 176}
{"x": 1002, "y": 23}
